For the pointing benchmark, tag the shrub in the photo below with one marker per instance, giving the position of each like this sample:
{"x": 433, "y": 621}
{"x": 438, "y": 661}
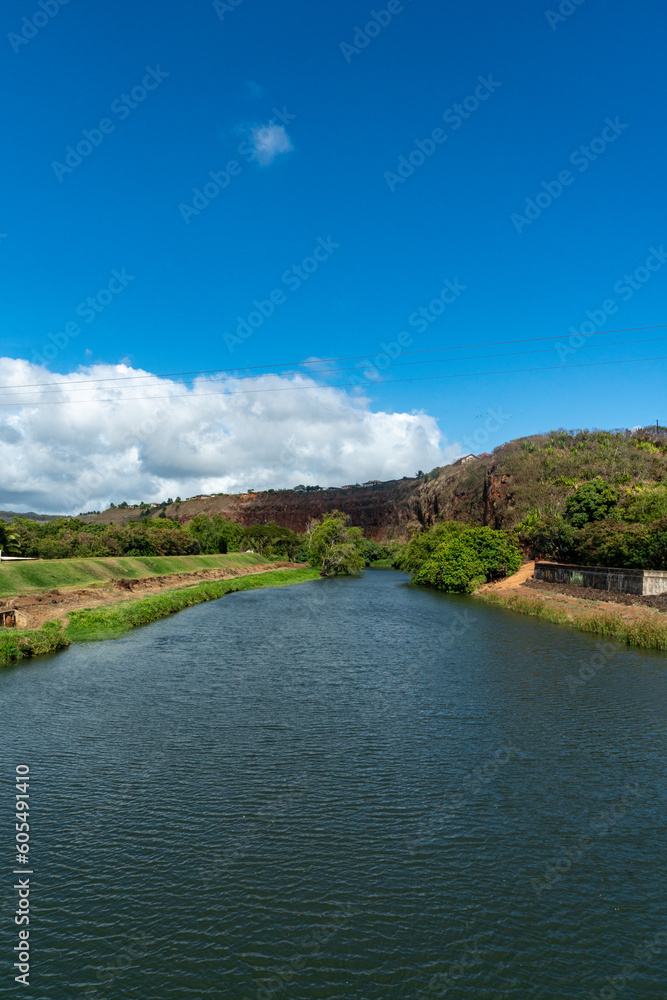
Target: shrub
{"x": 593, "y": 501}
{"x": 463, "y": 558}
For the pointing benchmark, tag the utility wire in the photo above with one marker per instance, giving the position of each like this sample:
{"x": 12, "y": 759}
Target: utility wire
{"x": 357, "y": 357}
{"x": 336, "y": 371}
{"x": 343, "y": 385}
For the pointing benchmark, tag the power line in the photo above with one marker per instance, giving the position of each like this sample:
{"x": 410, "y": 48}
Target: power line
{"x": 336, "y": 371}
{"x": 357, "y": 357}
{"x": 343, "y": 385}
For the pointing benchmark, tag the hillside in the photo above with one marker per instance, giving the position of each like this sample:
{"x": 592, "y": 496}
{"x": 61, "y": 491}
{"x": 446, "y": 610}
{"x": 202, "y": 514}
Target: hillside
{"x": 9, "y": 515}
{"x": 498, "y": 489}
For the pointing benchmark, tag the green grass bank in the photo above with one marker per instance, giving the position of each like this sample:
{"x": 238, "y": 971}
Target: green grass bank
{"x": 113, "y": 620}
{"x": 50, "y": 574}
{"x": 648, "y": 631}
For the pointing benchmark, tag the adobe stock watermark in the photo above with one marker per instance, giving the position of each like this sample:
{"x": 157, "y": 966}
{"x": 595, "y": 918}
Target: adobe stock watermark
{"x": 224, "y": 7}
{"x": 89, "y": 485}
{"x": 420, "y": 320}
{"x": 88, "y": 310}
{"x": 378, "y": 21}
{"x": 565, "y": 11}
{"x": 122, "y": 107}
{"x": 135, "y": 951}
{"x": 471, "y": 786}
{"x": 581, "y": 158}
{"x": 644, "y": 952}
{"x": 219, "y": 180}
{"x": 293, "y": 278}
{"x": 598, "y": 827}
{"x": 31, "y": 26}
{"x": 252, "y": 836}
{"x": 627, "y": 286}
{"x": 454, "y": 116}
{"x": 306, "y": 951}
{"x": 495, "y": 419}
{"x": 589, "y": 669}
{"x": 369, "y": 371}
{"x": 442, "y": 982}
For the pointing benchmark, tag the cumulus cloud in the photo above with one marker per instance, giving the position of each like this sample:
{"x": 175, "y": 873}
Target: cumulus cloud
{"x": 80, "y": 446}
{"x": 269, "y": 141}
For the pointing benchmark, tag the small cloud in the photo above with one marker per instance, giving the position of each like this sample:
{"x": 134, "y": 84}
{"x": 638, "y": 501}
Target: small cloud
{"x": 89, "y": 353}
{"x": 254, "y": 90}
{"x": 270, "y": 141}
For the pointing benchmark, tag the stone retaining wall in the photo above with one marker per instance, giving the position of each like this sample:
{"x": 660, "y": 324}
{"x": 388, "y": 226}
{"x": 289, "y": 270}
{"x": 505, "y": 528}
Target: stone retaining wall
{"x": 619, "y": 581}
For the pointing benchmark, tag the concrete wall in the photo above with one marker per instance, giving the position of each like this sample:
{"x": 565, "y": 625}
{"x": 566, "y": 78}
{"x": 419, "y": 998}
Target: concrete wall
{"x": 619, "y": 581}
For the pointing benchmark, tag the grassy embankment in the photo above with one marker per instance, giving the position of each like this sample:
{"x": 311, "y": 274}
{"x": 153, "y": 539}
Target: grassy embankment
{"x": 49, "y": 574}
{"x": 648, "y": 631}
{"x": 110, "y": 621}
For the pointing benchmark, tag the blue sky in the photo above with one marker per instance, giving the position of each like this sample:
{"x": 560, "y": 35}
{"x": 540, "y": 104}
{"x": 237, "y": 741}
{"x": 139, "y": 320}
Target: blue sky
{"x": 331, "y": 125}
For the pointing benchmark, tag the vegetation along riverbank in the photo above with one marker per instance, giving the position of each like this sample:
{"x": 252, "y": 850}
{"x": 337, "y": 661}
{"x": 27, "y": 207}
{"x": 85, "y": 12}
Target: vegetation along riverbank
{"x": 110, "y": 621}
{"x": 631, "y": 622}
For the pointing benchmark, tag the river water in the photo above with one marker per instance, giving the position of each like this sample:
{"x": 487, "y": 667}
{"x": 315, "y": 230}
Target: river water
{"x": 351, "y": 788}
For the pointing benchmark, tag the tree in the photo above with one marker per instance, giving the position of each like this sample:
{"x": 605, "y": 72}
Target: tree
{"x": 593, "y": 501}
{"x": 334, "y": 547}
{"x": 215, "y": 534}
{"x": 9, "y": 541}
{"x": 468, "y": 557}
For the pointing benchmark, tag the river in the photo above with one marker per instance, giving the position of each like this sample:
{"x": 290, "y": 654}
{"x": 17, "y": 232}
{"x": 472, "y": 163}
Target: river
{"x": 350, "y": 788}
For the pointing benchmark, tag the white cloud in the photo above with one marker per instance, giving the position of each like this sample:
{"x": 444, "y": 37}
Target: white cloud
{"x": 270, "y": 141}
{"x": 78, "y": 456}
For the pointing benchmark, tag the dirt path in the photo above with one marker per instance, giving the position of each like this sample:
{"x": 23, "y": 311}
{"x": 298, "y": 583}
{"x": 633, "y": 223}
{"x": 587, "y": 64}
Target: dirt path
{"x": 570, "y": 598}
{"x": 32, "y": 610}
{"x": 510, "y": 583}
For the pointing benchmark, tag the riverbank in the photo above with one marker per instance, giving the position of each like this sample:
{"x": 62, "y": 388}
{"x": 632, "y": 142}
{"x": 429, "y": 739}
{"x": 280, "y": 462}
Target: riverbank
{"x": 32, "y": 610}
{"x": 634, "y": 624}
{"x": 109, "y": 621}
{"x": 46, "y": 574}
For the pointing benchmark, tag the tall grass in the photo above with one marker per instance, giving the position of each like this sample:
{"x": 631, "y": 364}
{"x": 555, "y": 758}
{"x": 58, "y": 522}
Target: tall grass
{"x": 648, "y": 631}
{"x": 19, "y": 644}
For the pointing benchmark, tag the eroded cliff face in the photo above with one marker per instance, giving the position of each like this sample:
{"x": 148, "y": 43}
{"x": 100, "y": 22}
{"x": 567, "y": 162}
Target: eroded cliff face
{"x": 471, "y": 492}
{"x": 497, "y": 499}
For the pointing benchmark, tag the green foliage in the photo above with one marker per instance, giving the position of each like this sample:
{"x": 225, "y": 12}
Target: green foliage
{"x": 645, "y": 505}
{"x": 459, "y": 559}
{"x": 547, "y": 536}
{"x": 71, "y": 538}
{"x": 9, "y": 541}
{"x": 19, "y": 644}
{"x": 271, "y": 539}
{"x": 384, "y": 555}
{"x": 423, "y": 545}
{"x": 541, "y": 471}
{"x": 598, "y": 543}
{"x": 334, "y": 547}
{"x": 648, "y": 446}
{"x": 214, "y": 534}
{"x": 593, "y": 501}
